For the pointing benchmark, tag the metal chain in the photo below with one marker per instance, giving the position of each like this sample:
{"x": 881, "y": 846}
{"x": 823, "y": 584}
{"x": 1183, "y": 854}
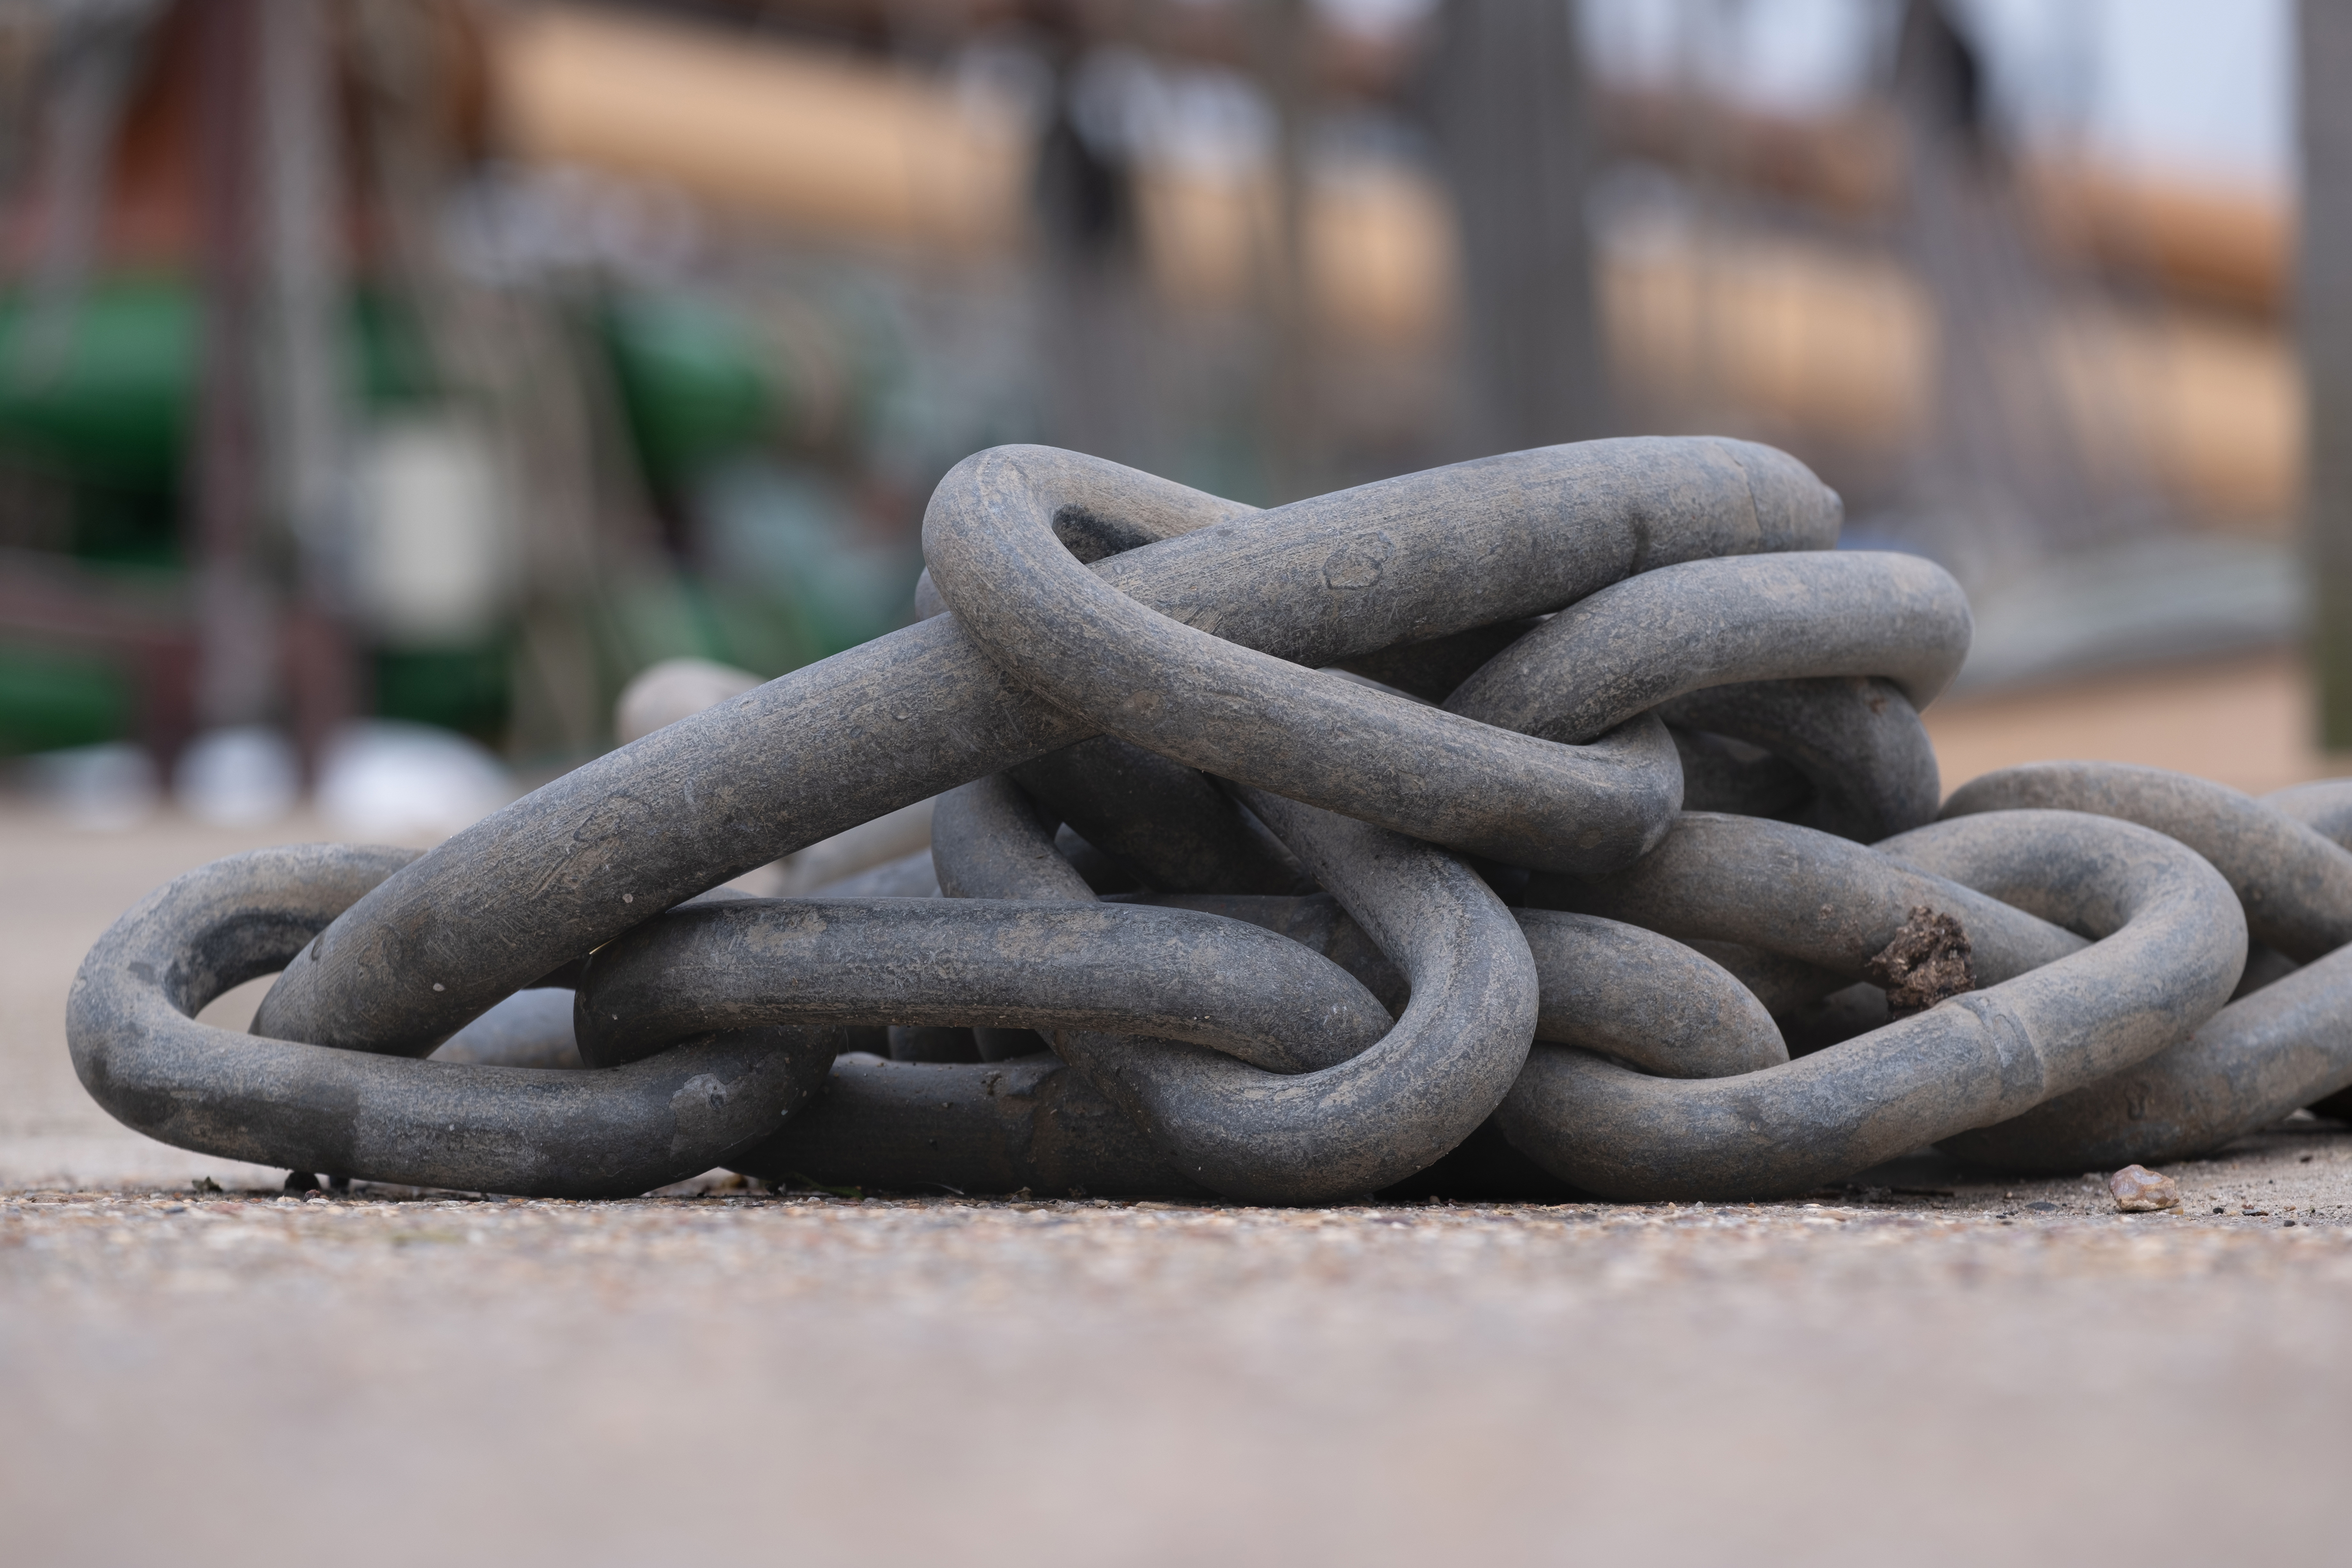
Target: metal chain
{"x": 1558, "y": 821}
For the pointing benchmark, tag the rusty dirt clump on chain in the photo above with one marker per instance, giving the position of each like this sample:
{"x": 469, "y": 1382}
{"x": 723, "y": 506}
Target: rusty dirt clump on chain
{"x": 1927, "y": 962}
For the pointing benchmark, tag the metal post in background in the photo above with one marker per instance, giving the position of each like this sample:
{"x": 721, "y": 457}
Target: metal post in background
{"x": 1513, "y": 119}
{"x": 79, "y": 95}
{"x": 300, "y": 384}
{"x": 2324, "y": 320}
{"x": 1287, "y": 377}
{"x": 236, "y": 612}
{"x": 1094, "y": 317}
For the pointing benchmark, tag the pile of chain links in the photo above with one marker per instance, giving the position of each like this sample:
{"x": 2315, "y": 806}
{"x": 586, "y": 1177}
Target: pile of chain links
{"x": 1557, "y": 822}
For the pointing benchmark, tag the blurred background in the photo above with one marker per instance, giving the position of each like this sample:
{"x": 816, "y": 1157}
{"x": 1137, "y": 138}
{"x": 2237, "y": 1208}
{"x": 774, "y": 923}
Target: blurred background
{"x": 383, "y": 383}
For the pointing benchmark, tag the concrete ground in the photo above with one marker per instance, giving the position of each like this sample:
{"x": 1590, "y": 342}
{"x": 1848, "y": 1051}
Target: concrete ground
{"x": 2010, "y": 1374}
{"x": 1917, "y": 1368}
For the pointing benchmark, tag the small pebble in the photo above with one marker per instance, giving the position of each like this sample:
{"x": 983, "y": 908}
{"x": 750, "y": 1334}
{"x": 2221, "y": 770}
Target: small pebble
{"x": 2139, "y": 1190}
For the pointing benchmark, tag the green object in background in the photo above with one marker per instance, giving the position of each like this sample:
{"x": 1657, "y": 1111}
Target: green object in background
{"x": 111, "y": 414}
{"x": 110, "y": 410}
{"x": 790, "y": 536}
{"x": 468, "y": 690}
{"x": 693, "y": 385}
{"x": 49, "y": 700}
{"x": 753, "y": 630}
{"x": 392, "y": 360}
{"x": 113, "y": 403}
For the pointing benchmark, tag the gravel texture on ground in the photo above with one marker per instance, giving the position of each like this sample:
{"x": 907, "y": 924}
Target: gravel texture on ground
{"x": 1913, "y": 1368}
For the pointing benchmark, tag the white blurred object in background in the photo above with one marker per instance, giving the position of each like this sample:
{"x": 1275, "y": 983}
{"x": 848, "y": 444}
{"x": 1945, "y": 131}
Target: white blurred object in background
{"x": 431, "y": 552}
{"x": 386, "y": 778}
{"x": 239, "y": 777}
{"x": 105, "y": 789}
{"x": 674, "y": 689}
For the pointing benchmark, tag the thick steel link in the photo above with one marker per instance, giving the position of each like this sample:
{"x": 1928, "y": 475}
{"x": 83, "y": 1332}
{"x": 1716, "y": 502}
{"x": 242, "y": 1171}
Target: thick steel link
{"x": 1356, "y": 1125}
{"x": 1643, "y": 999}
{"x": 1824, "y": 905}
{"x": 130, "y": 1023}
{"x": 2286, "y": 1045}
{"x": 2171, "y": 944}
{"x": 1173, "y": 973}
{"x": 1652, "y": 638}
{"x": 1754, "y": 649}
{"x": 1165, "y": 822}
{"x": 1259, "y": 718}
{"x": 2294, "y": 883}
{"x": 1855, "y": 743}
{"x": 2325, "y": 807}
